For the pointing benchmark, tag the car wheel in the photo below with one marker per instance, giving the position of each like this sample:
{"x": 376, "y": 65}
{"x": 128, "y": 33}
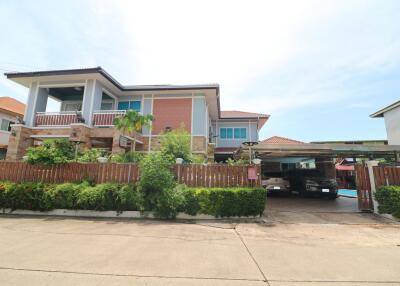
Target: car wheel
{"x": 332, "y": 196}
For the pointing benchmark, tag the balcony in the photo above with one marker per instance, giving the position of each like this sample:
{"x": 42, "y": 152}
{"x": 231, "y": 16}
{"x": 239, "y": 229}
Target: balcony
{"x": 62, "y": 118}
{"x": 105, "y": 118}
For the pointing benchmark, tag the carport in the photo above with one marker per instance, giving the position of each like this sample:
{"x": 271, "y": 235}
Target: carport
{"x": 323, "y": 154}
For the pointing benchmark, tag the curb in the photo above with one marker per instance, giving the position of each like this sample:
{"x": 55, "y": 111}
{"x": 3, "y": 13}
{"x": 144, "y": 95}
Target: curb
{"x": 115, "y": 214}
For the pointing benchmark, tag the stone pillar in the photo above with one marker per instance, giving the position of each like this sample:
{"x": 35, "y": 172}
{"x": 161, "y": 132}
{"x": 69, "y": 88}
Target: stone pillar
{"x": 19, "y": 141}
{"x": 370, "y": 166}
{"x": 116, "y": 149}
{"x": 80, "y": 133}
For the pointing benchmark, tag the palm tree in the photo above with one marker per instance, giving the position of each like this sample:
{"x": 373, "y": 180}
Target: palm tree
{"x": 133, "y": 122}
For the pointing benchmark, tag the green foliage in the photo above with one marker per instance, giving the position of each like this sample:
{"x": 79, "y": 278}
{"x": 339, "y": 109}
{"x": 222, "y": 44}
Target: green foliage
{"x": 169, "y": 202}
{"x": 52, "y": 151}
{"x": 91, "y": 155}
{"x": 164, "y": 201}
{"x": 388, "y": 198}
{"x": 132, "y": 121}
{"x": 155, "y": 173}
{"x": 225, "y": 202}
{"x": 176, "y": 143}
{"x": 31, "y": 196}
{"x": 109, "y": 196}
{"x": 128, "y": 157}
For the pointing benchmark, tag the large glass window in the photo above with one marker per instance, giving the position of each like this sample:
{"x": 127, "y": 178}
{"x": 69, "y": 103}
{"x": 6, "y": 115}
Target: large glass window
{"x": 240, "y": 133}
{"x": 233, "y": 133}
{"x": 133, "y": 105}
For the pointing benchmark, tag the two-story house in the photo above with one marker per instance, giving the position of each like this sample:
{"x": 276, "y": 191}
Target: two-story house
{"x": 11, "y": 110}
{"x": 90, "y": 99}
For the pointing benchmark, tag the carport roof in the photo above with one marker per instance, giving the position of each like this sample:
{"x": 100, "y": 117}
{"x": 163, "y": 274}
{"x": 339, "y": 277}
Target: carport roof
{"x": 320, "y": 150}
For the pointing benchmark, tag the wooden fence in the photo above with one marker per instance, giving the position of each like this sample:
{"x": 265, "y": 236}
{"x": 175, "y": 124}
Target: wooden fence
{"x": 72, "y": 172}
{"x": 364, "y": 194}
{"x": 387, "y": 176}
{"x": 193, "y": 175}
{"x": 216, "y": 175}
{"x": 383, "y": 175}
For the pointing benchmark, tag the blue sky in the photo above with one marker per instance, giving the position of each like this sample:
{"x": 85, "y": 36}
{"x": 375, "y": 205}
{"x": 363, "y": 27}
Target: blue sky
{"x": 319, "y": 68}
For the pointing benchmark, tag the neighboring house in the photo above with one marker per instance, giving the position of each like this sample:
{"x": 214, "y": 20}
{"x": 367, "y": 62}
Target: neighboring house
{"x": 278, "y": 164}
{"x": 391, "y": 114}
{"x": 90, "y": 99}
{"x": 10, "y": 110}
{"x": 354, "y": 142}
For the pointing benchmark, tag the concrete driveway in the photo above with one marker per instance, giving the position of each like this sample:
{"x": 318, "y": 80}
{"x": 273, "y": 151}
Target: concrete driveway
{"x": 48, "y": 251}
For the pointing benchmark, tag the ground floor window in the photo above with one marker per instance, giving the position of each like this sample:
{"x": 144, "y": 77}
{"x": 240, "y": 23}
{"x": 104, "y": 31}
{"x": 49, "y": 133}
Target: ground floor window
{"x": 129, "y": 105}
{"x": 6, "y": 125}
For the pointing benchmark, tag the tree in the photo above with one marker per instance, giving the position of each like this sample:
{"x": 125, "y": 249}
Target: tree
{"x": 177, "y": 143}
{"x": 131, "y": 123}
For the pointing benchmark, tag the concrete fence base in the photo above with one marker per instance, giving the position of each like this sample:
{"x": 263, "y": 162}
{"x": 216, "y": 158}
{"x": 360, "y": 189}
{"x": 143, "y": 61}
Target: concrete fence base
{"x": 115, "y": 214}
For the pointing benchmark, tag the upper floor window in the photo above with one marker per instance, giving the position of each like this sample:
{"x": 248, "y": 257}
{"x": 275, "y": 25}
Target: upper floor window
{"x": 233, "y": 133}
{"x": 6, "y": 125}
{"x": 126, "y": 105}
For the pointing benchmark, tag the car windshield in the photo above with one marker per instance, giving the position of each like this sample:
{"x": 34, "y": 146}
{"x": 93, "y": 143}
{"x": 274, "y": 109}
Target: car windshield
{"x": 273, "y": 174}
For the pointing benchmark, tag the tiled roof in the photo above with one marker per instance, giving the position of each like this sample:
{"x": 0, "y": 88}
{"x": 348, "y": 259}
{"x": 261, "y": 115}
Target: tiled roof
{"x": 12, "y": 105}
{"x": 241, "y": 114}
{"x": 280, "y": 140}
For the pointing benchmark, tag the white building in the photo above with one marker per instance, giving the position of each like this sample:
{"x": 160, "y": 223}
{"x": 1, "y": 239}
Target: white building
{"x": 391, "y": 114}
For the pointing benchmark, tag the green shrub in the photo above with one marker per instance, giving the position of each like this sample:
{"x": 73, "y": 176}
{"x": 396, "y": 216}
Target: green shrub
{"x": 104, "y": 197}
{"x": 169, "y": 202}
{"x": 128, "y": 157}
{"x": 155, "y": 174}
{"x": 225, "y": 202}
{"x": 52, "y": 151}
{"x": 29, "y": 196}
{"x": 91, "y": 155}
{"x": 64, "y": 196}
{"x": 176, "y": 143}
{"x": 388, "y": 198}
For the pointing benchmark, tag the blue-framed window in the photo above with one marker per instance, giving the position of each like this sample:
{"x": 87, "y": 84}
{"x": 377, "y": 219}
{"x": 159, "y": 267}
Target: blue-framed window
{"x": 133, "y": 105}
{"x": 233, "y": 133}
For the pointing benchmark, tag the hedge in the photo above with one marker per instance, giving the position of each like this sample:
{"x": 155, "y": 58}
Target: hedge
{"x": 388, "y": 198}
{"x": 225, "y": 202}
{"x": 219, "y": 202}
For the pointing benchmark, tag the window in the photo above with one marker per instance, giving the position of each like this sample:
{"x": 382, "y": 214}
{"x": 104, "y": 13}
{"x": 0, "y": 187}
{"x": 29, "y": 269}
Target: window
{"x": 240, "y": 133}
{"x": 6, "y": 125}
{"x": 72, "y": 106}
{"x": 106, "y": 106}
{"x": 230, "y": 133}
{"x": 133, "y": 105}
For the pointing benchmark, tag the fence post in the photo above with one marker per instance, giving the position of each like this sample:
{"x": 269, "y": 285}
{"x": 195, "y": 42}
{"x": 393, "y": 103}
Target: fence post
{"x": 370, "y": 166}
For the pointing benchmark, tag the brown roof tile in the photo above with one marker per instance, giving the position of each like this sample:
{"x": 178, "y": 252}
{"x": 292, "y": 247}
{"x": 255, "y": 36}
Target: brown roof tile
{"x": 280, "y": 140}
{"x": 12, "y": 105}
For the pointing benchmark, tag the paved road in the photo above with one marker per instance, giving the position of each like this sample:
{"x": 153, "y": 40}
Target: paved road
{"x": 322, "y": 251}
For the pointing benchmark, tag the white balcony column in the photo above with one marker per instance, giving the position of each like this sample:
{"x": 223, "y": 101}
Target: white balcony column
{"x": 91, "y": 100}
{"x": 37, "y": 102}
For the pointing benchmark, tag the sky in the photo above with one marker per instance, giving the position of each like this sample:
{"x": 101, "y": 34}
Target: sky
{"x": 319, "y": 68}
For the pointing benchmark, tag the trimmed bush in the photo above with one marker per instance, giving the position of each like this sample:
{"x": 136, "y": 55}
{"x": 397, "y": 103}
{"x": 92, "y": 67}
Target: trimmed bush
{"x": 165, "y": 203}
{"x": 225, "y": 202}
{"x": 104, "y": 197}
{"x": 388, "y": 198}
{"x": 31, "y": 196}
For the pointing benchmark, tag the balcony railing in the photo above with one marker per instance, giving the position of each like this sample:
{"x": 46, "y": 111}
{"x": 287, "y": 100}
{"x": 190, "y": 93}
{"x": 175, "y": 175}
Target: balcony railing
{"x": 106, "y": 117}
{"x": 62, "y": 118}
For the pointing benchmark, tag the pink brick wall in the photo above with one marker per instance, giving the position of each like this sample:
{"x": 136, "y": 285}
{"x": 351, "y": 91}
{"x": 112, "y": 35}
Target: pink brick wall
{"x": 172, "y": 113}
